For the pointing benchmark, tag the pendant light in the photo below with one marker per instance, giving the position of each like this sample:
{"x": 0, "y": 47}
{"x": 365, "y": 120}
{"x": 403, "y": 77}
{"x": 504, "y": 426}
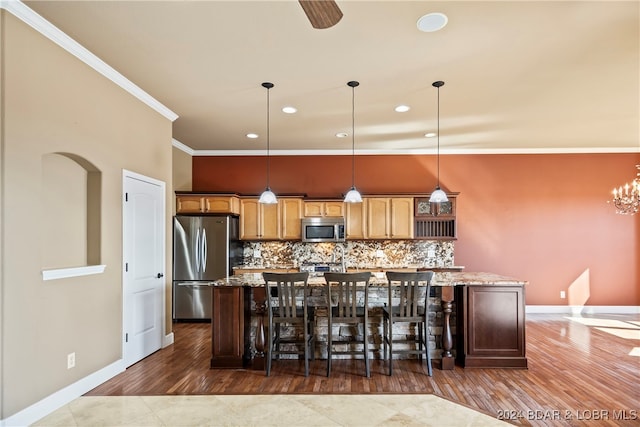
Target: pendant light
{"x": 353, "y": 195}
{"x": 267, "y": 196}
{"x": 438, "y": 196}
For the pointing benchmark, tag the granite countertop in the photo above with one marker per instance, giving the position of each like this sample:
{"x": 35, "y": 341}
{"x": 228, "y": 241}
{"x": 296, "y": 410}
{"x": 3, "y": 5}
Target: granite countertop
{"x": 459, "y": 278}
{"x": 350, "y": 267}
{"x": 440, "y": 279}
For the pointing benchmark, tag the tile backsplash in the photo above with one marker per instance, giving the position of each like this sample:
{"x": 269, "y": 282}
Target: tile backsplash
{"x": 371, "y": 253}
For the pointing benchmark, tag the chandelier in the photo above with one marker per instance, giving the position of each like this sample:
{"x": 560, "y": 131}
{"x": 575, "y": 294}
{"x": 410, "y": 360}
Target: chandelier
{"x": 627, "y": 199}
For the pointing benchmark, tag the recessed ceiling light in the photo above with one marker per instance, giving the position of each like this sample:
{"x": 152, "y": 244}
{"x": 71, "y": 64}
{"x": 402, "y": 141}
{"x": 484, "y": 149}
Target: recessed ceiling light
{"x": 289, "y": 109}
{"x": 402, "y": 108}
{"x": 342, "y": 135}
{"x": 252, "y": 135}
{"x": 430, "y": 134}
{"x": 432, "y": 22}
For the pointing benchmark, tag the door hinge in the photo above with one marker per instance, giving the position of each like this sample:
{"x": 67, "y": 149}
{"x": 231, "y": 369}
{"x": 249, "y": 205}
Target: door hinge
{"x": 126, "y": 337}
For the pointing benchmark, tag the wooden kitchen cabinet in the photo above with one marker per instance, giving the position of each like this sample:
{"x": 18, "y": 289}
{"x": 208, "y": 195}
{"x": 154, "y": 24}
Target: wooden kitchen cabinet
{"x": 189, "y": 204}
{"x": 290, "y": 217}
{"x": 355, "y": 221}
{"x": 435, "y": 222}
{"x": 401, "y": 218}
{"x": 389, "y": 217}
{"x": 279, "y": 221}
{"x": 200, "y": 203}
{"x": 259, "y": 221}
{"x": 230, "y": 326}
{"x": 378, "y": 217}
{"x": 330, "y": 208}
{"x": 490, "y": 330}
{"x": 222, "y": 204}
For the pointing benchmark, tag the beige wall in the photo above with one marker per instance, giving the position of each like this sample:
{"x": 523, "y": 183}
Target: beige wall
{"x": 52, "y": 102}
{"x": 181, "y": 170}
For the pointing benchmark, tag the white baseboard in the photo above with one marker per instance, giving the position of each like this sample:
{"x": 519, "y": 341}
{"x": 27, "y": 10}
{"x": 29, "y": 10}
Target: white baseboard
{"x": 167, "y": 340}
{"x": 60, "y": 398}
{"x": 582, "y": 309}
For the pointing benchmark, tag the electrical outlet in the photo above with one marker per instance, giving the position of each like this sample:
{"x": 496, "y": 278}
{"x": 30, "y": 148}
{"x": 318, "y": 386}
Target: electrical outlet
{"x": 257, "y": 253}
{"x": 379, "y": 253}
{"x": 71, "y": 360}
{"x": 431, "y": 253}
{"x": 563, "y": 294}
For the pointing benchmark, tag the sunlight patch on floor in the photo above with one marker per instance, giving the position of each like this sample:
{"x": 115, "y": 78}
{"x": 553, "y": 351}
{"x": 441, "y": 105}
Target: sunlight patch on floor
{"x": 606, "y": 323}
{"x": 628, "y": 334}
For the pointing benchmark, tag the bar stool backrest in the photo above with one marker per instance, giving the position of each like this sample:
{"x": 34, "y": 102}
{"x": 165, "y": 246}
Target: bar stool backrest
{"x": 409, "y": 286}
{"x": 285, "y": 286}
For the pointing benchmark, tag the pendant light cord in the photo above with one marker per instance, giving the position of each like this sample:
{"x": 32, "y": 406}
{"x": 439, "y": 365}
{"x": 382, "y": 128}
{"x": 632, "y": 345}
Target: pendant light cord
{"x": 353, "y": 136}
{"x": 437, "y": 85}
{"x": 268, "y": 157}
{"x": 352, "y": 84}
{"x": 268, "y": 86}
{"x": 438, "y": 130}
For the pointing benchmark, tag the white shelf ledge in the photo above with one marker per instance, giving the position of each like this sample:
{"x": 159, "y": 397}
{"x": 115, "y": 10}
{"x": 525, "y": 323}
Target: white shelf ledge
{"x": 61, "y": 273}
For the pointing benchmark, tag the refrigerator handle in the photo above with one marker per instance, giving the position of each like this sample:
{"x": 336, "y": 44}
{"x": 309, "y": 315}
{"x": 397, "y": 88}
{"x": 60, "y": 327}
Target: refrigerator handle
{"x": 204, "y": 250}
{"x": 197, "y": 251}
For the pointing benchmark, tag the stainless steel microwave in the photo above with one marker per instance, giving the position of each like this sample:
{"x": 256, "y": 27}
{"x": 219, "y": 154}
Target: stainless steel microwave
{"x": 323, "y": 229}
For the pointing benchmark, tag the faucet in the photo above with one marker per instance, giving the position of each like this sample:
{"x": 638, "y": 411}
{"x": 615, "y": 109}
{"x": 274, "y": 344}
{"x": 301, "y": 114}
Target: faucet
{"x": 340, "y": 249}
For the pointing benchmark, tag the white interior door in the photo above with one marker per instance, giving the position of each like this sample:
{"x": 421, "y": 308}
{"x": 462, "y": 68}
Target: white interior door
{"x": 144, "y": 265}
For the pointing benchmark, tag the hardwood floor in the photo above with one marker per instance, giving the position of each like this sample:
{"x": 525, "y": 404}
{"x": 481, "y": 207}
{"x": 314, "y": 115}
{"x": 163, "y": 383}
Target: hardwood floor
{"x": 583, "y": 370}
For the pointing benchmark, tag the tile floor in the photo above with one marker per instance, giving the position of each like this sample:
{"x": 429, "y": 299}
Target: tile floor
{"x": 267, "y": 410}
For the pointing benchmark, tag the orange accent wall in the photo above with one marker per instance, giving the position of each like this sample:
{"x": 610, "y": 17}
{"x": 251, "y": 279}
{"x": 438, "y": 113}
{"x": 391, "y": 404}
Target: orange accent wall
{"x": 542, "y": 218}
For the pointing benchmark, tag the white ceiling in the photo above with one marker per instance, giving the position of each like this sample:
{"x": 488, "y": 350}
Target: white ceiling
{"x": 536, "y": 76}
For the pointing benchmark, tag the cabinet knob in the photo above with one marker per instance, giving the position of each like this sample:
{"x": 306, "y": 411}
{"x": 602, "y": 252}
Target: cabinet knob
{"x": 160, "y": 275}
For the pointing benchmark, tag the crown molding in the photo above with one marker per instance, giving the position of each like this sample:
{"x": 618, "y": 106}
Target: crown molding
{"x": 53, "y": 33}
{"x": 180, "y": 146}
{"x": 494, "y": 151}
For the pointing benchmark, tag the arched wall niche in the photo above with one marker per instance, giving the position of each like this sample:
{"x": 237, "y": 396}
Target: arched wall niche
{"x": 71, "y": 216}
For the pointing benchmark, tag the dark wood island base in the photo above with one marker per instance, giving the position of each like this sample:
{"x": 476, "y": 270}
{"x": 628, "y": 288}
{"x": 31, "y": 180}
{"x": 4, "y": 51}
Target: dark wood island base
{"x": 490, "y": 321}
{"x": 491, "y": 329}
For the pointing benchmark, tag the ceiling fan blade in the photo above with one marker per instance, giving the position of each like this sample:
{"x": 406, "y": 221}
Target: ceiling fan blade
{"x": 321, "y": 13}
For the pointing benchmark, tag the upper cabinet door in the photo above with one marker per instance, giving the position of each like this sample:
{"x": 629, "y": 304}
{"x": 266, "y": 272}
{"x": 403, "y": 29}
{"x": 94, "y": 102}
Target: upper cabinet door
{"x": 355, "y": 221}
{"x": 332, "y": 208}
{"x": 270, "y": 221}
{"x": 378, "y": 213}
{"x": 250, "y": 219}
{"x": 290, "y": 218}
{"x": 389, "y": 217}
{"x": 402, "y": 218}
{"x": 188, "y": 204}
{"x": 200, "y": 203}
{"x": 222, "y": 204}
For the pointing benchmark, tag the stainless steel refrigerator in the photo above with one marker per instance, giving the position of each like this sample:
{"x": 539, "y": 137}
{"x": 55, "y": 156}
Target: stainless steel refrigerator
{"x": 205, "y": 248}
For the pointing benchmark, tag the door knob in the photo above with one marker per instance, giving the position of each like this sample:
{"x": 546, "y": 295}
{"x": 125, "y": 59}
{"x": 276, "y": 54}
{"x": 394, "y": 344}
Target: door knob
{"x": 160, "y": 275}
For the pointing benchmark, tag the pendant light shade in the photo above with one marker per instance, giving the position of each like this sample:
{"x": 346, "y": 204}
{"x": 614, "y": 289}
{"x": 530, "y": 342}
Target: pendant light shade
{"x": 267, "y": 196}
{"x": 438, "y": 196}
{"x": 353, "y": 195}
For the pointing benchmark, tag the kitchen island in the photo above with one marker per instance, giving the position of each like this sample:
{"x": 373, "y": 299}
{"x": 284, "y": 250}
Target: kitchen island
{"x": 489, "y": 326}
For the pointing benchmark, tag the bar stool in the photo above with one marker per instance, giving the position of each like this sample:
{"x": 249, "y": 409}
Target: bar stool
{"x": 342, "y": 308}
{"x": 286, "y": 287}
{"x": 408, "y": 303}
